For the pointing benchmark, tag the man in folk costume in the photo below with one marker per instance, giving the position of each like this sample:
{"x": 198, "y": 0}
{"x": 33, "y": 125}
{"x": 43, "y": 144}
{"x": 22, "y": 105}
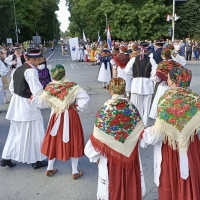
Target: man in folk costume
{"x": 175, "y": 139}
{"x": 17, "y": 59}
{"x": 26, "y": 132}
{"x": 3, "y": 72}
{"x": 156, "y": 55}
{"x": 64, "y": 138}
{"x": 105, "y": 71}
{"x": 119, "y": 62}
{"x": 160, "y": 77}
{"x": 114, "y": 147}
{"x": 142, "y": 88}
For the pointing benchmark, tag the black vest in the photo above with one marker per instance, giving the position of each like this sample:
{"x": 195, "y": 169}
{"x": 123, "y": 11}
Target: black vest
{"x": 21, "y": 86}
{"x": 142, "y": 68}
{"x": 157, "y": 55}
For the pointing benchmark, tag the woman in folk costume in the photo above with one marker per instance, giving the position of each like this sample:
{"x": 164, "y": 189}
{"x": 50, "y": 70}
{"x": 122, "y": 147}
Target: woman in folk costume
{"x": 3, "y": 72}
{"x": 93, "y": 53}
{"x": 135, "y": 51}
{"x": 175, "y": 139}
{"x": 114, "y": 147}
{"x": 43, "y": 73}
{"x": 64, "y": 136}
{"x": 119, "y": 62}
{"x": 175, "y": 56}
{"x": 160, "y": 78}
{"x": 105, "y": 71}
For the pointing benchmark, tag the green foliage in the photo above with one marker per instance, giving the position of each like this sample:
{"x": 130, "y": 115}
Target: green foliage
{"x": 130, "y": 20}
{"x": 35, "y": 16}
{"x": 189, "y": 23}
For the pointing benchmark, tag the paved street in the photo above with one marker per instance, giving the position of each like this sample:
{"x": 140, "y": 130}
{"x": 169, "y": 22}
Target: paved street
{"x": 24, "y": 183}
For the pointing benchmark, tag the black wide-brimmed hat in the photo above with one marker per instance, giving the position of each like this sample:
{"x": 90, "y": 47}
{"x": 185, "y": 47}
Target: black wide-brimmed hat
{"x": 33, "y": 53}
{"x": 144, "y": 44}
{"x": 160, "y": 42}
{"x": 16, "y": 46}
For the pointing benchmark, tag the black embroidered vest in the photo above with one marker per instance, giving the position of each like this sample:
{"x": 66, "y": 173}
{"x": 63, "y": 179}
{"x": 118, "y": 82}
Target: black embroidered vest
{"x": 21, "y": 86}
{"x": 157, "y": 55}
{"x": 142, "y": 68}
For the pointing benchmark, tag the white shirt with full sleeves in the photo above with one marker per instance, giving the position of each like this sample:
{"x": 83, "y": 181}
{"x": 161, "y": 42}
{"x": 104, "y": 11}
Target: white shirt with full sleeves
{"x": 142, "y": 86}
{"x": 20, "y": 108}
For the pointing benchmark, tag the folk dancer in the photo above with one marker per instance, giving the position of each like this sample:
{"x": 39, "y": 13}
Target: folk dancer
{"x": 43, "y": 73}
{"x": 64, "y": 137}
{"x": 114, "y": 147}
{"x": 3, "y": 72}
{"x": 140, "y": 69}
{"x": 160, "y": 79}
{"x": 15, "y": 60}
{"x": 119, "y": 62}
{"x": 26, "y": 131}
{"x": 105, "y": 71}
{"x": 175, "y": 139}
{"x": 156, "y": 55}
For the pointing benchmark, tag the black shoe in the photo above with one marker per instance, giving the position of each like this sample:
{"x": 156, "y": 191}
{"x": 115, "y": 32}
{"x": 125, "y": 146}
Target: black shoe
{"x": 8, "y": 163}
{"x": 79, "y": 61}
{"x": 39, "y": 164}
{"x": 82, "y": 60}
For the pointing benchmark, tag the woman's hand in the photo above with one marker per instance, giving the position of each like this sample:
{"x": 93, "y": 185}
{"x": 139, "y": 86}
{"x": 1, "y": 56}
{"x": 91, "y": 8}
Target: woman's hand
{"x": 97, "y": 161}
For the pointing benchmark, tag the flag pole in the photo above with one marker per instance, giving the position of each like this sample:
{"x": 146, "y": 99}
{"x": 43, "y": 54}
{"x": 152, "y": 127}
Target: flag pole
{"x": 173, "y": 20}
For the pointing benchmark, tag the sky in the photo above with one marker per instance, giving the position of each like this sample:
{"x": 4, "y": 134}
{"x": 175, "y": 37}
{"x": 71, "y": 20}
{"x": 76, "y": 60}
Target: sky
{"x": 63, "y": 15}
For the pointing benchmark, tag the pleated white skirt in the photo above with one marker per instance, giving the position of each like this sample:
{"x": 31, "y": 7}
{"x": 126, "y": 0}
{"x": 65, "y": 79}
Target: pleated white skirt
{"x": 104, "y": 75}
{"x": 24, "y": 141}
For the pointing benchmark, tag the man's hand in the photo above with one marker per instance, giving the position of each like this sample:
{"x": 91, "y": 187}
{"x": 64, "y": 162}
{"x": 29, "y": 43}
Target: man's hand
{"x": 97, "y": 162}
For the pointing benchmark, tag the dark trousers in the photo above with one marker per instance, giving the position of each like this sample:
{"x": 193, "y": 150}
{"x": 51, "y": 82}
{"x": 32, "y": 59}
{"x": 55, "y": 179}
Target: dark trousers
{"x": 188, "y": 55}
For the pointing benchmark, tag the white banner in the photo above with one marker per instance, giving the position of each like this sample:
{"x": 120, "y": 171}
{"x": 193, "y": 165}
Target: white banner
{"x": 74, "y": 48}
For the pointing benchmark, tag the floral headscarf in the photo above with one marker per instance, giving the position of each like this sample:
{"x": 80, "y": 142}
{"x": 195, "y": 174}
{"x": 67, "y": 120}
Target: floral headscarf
{"x": 181, "y": 76}
{"x": 117, "y": 86}
{"x": 135, "y": 48}
{"x": 124, "y": 48}
{"x": 58, "y": 72}
{"x": 171, "y": 47}
{"x": 166, "y": 52}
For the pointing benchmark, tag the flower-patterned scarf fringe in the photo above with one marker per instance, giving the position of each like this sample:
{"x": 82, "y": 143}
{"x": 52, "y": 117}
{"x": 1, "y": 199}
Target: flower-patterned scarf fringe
{"x": 121, "y": 60}
{"x": 59, "y": 95}
{"x": 117, "y": 128}
{"x": 178, "y": 117}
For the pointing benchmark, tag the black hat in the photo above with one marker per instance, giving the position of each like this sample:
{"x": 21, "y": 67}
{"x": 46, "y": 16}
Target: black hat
{"x": 33, "y": 53}
{"x": 144, "y": 44}
{"x": 160, "y": 42}
{"x": 16, "y": 46}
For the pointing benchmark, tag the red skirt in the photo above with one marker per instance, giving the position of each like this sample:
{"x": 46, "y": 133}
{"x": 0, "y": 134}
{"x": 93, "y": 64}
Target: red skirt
{"x": 125, "y": 184}
{"x": 54, "y": 147}
{"x": 172, "y": 186}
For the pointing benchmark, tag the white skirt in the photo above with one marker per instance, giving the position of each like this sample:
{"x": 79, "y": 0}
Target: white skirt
{"x": 24, "y": 141}
{"x": 121, "y": 73}
{"x": 160, "y": 91}
{"x": 104, "y": 75}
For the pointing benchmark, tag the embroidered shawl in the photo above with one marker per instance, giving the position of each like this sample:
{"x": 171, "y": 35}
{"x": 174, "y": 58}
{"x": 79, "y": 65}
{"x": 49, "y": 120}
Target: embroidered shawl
{"x": 59, "y": 95}
{"x": 178, "y": 117}
{"x": 105, "y": 56}
{"x": 164, "y": 67}
{"x": 117, "y": 128}
{"x": 121, "y": 60}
